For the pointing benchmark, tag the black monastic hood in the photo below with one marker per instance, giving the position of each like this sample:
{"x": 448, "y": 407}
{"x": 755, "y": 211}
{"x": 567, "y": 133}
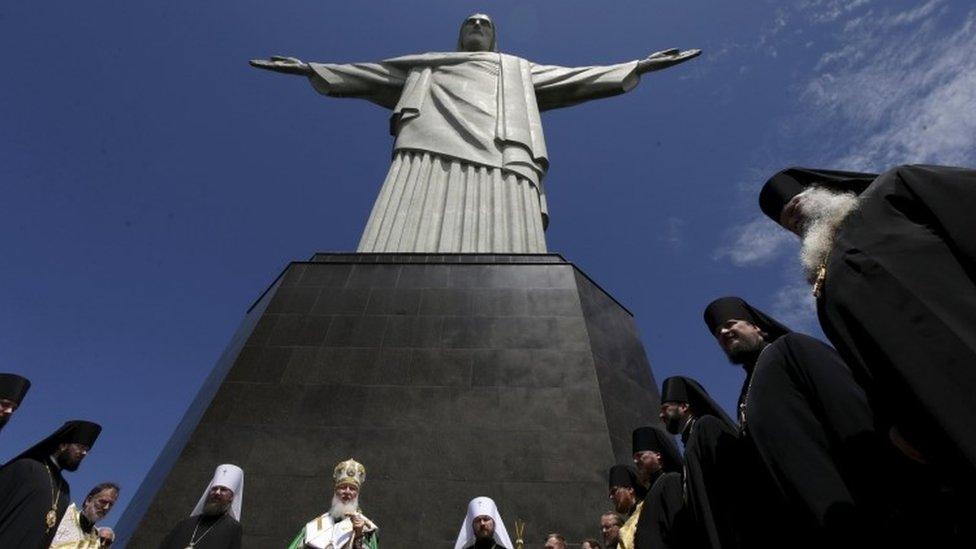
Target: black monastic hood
{"x": 72, "y": 432}
{"x": 14, "y": 387}
{"x": 726, "y": 308}
{"x": 783, "y": 186}
{"x": 685, "y": 389}
{"x": 656, "y": 440}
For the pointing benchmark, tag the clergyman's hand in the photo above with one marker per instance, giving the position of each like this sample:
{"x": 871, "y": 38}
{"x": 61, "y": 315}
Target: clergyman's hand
{"x": 664, "y": 59}
{"x": 358, "y": 523}
{"x": 287, "y": 65}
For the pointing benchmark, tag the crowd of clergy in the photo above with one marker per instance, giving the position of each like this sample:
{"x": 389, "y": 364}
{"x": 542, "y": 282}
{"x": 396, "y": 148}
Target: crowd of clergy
{"x": 870, "y": 442}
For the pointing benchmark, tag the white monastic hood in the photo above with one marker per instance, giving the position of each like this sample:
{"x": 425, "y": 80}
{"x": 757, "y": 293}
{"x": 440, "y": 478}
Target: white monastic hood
{"x": 231, "y": 477}
{"x": 482, "y": 506}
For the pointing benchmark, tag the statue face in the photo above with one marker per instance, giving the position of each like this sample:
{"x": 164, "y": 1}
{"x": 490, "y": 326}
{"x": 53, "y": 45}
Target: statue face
{"x": 477, "y": 34}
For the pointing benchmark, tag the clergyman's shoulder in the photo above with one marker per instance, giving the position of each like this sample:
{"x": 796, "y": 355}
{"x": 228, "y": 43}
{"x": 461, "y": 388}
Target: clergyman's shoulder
{"x": 794, "y": 339}
{"x": 24, "y": 466}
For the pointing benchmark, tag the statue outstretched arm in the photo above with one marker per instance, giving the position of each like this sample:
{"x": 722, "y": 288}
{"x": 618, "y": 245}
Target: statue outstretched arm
{"x": 380, "y": 83}
{"x": 557, "y": 86}
{"x": 664, "y": 59}
{"x": 286, "y": 65}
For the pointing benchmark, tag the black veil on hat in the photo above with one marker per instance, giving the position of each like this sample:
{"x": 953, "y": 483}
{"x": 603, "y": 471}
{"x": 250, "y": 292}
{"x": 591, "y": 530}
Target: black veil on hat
{"x": 685, "y": 389}
{"x": 626, "y": 476}
{"x": 656, "y": 440}
{"x": 783, "y": 186}
{"x": 14, "y": 387}
{"x": 72, "y": 432}
{"x": 724, "y": 309}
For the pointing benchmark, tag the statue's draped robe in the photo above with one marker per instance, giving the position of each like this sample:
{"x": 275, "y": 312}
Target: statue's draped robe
{"x": 469, "y": 157}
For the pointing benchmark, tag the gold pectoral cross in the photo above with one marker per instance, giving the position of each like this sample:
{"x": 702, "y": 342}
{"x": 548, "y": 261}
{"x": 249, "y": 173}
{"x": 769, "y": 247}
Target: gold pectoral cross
{"x": 819, "y": 282}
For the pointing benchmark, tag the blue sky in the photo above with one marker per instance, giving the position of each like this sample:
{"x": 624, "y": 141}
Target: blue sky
{"x": 153, "y": 184}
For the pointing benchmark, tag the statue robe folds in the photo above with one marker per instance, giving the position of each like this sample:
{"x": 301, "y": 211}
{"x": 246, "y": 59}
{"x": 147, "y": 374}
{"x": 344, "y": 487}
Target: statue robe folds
{"x": 469, "y": 156}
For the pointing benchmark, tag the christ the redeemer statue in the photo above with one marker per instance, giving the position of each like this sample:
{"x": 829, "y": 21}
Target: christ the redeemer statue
{"x": 469, "y": 156}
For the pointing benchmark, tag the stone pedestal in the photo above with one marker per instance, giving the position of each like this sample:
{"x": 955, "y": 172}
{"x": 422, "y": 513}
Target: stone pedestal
{"x": 447, "y": 376}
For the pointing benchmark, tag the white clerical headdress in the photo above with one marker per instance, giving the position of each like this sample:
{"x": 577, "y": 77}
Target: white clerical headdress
{"x": 230, "y": 477}
{"x": 482, "y": 506}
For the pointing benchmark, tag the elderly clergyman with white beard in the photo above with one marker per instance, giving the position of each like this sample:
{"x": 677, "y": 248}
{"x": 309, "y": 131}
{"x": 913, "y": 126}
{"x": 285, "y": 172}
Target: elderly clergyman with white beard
{"x": 892, "y": 259}
{"x": 482, "y": 527}
{"x": 215, "y": 521}
{"x": 344, "y": 526}
{"x": 77, "y": 529}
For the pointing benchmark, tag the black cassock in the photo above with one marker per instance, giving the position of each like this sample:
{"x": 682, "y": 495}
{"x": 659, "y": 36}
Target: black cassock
{"x": 810, "y": 423}
{"x": 710, "y": 489}
{"x": 658, "y": 524}
{"x": 899, "y": 304}
{"x": 225, "y": 533}
{"x": 26, "y": 496}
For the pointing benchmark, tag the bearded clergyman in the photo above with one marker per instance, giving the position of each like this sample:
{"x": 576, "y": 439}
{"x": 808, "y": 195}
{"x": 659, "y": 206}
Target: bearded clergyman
{"x": 804, "y": 418}
{"x": 34, "y": 494}
{"x": 469, "y": 156}
{"x": 344, "y": 526}
{"x": 892, "y": 262}
{"x": 482, "y": 527}
{"x": 215, "y": 522}
{"x": 709, "y": 437}
{"x": 77, "y": 529}
{"x": 892, "y": 259}
{"x": 627, "y": 498}
{"x": 658, "y": 464}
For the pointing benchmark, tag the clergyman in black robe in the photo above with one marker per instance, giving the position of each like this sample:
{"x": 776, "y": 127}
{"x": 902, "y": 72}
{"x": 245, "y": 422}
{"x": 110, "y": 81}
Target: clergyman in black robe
{"x": 709, "y": 437}
{"x": 811, "y": 425}
{"x": 627, "y": 496}
{"x": 33, "y": 492}
{"x": 215, "y": 521}
{"x": 13, "y": 389}
{"x": 659, "y": 468}
{"x": 211, "y": 532}
{"x": 897, "y": 298}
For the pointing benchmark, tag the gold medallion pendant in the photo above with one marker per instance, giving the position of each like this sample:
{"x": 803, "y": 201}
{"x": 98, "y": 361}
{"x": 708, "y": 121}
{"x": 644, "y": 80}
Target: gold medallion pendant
{"x": 51, "y": 518}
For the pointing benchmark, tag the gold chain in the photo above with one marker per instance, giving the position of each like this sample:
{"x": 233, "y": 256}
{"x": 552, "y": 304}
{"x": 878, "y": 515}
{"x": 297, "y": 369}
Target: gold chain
{"x": 51, "y": 518}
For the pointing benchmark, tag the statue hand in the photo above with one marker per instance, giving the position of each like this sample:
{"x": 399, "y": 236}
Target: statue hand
{"x": 287, "y": 65}
{"x": 665, "y": 58}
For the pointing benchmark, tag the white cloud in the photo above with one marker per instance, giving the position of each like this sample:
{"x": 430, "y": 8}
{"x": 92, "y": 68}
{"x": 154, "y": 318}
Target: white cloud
{"x": 828, "y": 11}
{"x": 900, "y": 88}
{"x": 794, "y": 306}
{"x": 891, "y": 86}
{"x": 674, "y": 232}
{"x": 754, "y": 242}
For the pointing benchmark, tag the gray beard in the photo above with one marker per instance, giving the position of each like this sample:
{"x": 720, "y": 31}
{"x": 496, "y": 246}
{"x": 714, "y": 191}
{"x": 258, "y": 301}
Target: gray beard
{"x": 825, "y": 210}
{"x": 339, "y": 510}
{"x": 215, "y": 508}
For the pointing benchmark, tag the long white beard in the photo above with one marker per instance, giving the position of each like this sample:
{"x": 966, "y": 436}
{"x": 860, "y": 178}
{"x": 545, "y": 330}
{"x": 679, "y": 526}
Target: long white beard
{"x": 824, "y": 210}
{"x": 339, "y": 509}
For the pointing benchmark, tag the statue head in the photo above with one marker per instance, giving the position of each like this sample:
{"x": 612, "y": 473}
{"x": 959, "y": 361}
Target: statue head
{"x": 477, "y": 34}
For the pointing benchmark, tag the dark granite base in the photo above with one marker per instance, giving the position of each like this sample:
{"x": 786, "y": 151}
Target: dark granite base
{"x": 447, "y": 376}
